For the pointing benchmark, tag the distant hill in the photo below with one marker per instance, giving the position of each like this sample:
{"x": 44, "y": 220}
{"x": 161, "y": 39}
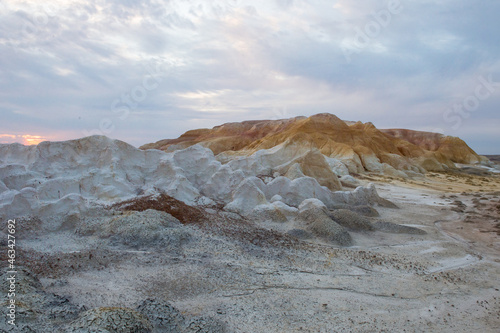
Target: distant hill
{"x": 359, "y": 146}
{"x": 494, "y": 158}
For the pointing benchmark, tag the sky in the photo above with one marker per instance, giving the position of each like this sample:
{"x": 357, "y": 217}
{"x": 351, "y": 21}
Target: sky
{"x": 141, "y": 71}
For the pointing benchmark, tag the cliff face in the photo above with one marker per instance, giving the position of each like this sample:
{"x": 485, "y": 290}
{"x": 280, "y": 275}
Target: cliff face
{"x": 359, "y": 146}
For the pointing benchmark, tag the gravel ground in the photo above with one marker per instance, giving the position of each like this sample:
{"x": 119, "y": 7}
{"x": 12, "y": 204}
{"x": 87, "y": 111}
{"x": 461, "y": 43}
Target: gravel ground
{"x": 217, "y": 272}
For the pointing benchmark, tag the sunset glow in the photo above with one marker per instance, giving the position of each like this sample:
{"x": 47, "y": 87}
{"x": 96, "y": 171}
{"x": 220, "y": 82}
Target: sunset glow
{"x": 25, "y": 139}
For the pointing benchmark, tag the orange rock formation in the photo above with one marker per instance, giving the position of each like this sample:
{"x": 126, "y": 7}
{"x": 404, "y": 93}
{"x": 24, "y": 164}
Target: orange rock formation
{"x": 360, "y": 146}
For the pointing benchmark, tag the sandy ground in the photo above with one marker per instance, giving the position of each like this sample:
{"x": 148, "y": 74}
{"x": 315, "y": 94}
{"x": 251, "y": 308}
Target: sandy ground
{"x": 446, "y": 280}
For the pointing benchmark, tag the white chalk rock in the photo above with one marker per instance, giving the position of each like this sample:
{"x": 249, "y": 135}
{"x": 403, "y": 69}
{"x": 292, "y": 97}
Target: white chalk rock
{"x": 198, "y": 163}
{"x": 294, "y": 172}
{"x": 267, "y": 213}
{"x": 257, "y": 182}
{"x": 349, "y": 158}
{"x": 312, "y": 203}
{"x": 69, "y": 205}
{"x": 336, "y": 165}
{"x": 307, "y": 187}
{"x": 246, "y": 197}
{"x": 14, "y": 204}
{"x": 264, "y": 161}
{"x": 205, "y": 201}
{"x": 362, "y": 195}
{"x": 16, "y": 153}
{"x": 275, "y": 212}
{"x": 100, "y": 169}
{"x": 371, "y": 162}
{"x": 220, "y": 186}
{"x": 279, "y": 187}
{"x": 288, "y": 211}
{"x": 276, "y": 197}
{"x": 182, "y": 189}
{"x": 296, "y": 191}
{"x": 388, "y": 170}
{"x": 349, "y": 180}
{"x": 15, "y": 176}
{"x": 3, "y": 188}
{"x": 77, "y": 173}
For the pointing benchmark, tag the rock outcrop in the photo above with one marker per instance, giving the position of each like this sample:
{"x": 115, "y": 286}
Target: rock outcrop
{"x": 351, "y": 220}
{"x": 60, "y": 181}
{"x": 347, "y": 146}
{"x": 313, "y": 214}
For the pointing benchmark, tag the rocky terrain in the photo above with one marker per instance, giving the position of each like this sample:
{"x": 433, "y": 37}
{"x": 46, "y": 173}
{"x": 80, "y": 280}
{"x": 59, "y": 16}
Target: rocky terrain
{"x": 301, "y": 225}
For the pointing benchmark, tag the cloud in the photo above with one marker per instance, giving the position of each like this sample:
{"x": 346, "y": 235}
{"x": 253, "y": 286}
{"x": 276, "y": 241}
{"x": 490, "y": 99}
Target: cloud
{"x": 153, "y": 69}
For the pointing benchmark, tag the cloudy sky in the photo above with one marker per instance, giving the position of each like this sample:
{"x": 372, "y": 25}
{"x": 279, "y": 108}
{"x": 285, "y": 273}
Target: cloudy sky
{"x": 141, "y": 71}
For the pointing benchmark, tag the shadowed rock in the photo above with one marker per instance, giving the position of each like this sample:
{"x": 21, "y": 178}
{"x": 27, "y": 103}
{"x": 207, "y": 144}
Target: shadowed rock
{"x": 361, "y": 209}
{"x": 314, "y": 215}
{"x": 350, "y": 220}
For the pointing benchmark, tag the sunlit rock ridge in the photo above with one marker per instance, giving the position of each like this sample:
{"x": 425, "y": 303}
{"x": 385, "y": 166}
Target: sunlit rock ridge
{"x": 349, "y": 147}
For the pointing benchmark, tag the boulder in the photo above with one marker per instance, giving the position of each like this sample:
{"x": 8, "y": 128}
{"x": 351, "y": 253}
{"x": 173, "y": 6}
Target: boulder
{"x": 312, "y": 204}
{"x": 288, "y": 211}
{"x": 362, "y": 195}
{"x": 368, "y": 158}
{"x": 388, "y": 170}
{"x": 267, "y": 213}
{"x": 182, "y": 189}
{"x": 276, "y": 197}
{"x": 337, "y": 166}
{"x": 349, "y": 181}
